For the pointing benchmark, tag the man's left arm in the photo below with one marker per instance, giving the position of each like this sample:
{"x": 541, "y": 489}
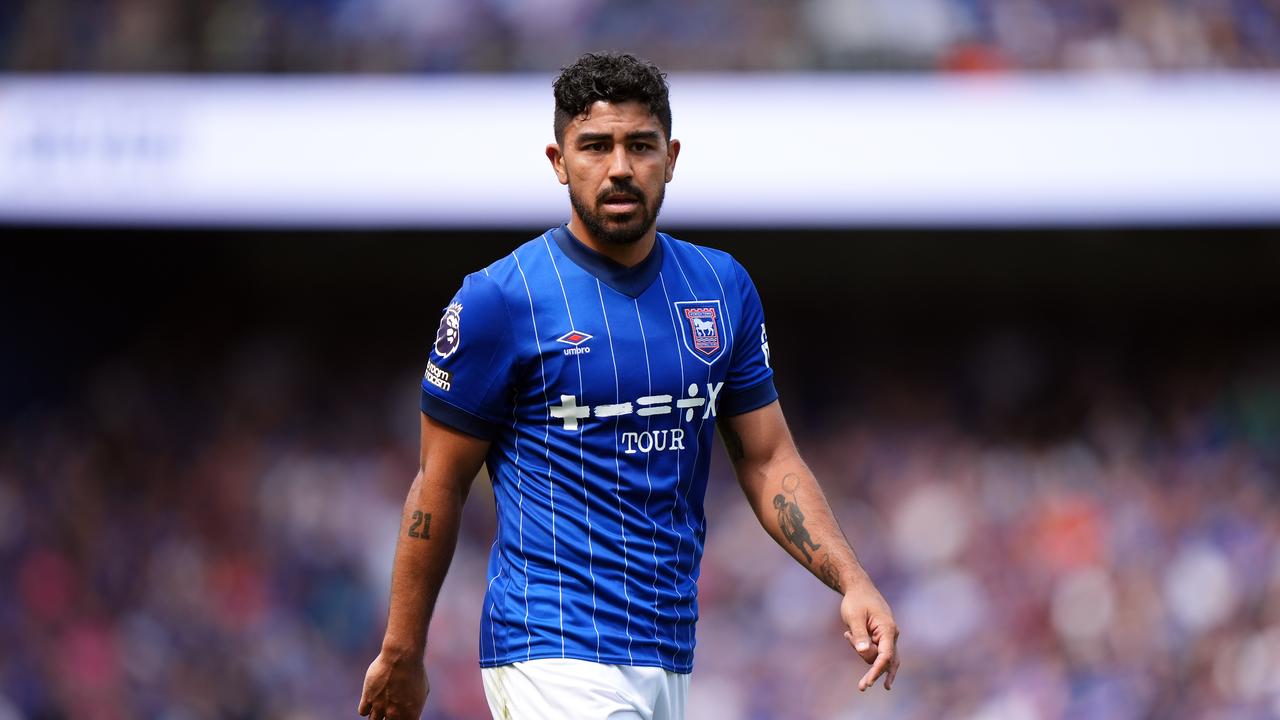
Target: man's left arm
{"x": 777, "y": 482}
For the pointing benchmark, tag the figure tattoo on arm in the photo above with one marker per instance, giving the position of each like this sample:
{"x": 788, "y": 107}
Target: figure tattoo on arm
{"x": 791, "y": 521}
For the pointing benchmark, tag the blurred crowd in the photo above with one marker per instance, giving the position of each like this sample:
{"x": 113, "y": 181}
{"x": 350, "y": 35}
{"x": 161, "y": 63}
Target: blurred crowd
{"x": 186, "y": 544}
{"x": 541, "y": 35}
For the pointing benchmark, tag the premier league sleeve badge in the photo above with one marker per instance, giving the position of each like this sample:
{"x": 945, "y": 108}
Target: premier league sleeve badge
{"x": 450, "y": 332}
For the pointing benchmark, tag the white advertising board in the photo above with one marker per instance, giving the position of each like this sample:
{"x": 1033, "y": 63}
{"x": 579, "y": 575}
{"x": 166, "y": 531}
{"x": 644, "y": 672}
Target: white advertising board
{"x": 758, "y": 150}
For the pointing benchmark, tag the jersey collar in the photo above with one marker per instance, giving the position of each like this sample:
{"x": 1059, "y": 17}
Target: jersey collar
{"x": 630, "y": 281}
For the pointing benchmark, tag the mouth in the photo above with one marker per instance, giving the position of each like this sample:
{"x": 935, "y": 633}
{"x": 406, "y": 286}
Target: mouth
{"x": 621, "y": 203}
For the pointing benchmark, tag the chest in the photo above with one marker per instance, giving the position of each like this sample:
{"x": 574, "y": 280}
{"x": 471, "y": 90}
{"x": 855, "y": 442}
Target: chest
{"x": 660, "y": 358}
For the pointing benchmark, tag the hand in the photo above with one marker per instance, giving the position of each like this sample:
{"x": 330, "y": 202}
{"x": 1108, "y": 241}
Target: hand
{"x": 395, "y": 688}
{"x": 872, "y": 633}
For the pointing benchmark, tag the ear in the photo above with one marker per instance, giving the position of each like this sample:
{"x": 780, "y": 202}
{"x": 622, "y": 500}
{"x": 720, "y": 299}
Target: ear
{"x": 557, "y": 162}
{"x": 673, "y": 151}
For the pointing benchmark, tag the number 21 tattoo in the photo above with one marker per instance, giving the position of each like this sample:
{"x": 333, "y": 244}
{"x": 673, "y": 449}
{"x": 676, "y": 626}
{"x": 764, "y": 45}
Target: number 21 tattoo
{"x": 421, "y": 527}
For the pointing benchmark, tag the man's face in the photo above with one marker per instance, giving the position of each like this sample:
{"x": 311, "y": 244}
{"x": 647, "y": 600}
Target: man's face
{"x": 616, "y": 161}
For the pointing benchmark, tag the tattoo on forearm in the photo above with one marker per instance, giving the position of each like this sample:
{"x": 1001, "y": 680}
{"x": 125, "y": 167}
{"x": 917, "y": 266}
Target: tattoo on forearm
{"x": 421, "y": 526}
{"x": 827, "y": 571}
{"x": 791, "y": 519}
{"x": 732, "y": 442}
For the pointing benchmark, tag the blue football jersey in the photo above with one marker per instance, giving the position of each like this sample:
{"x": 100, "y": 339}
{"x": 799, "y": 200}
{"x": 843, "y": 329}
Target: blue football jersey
{"x": 598, "y": 386}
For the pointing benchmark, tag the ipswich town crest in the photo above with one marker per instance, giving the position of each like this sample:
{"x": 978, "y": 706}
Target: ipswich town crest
{"x": 702, "y": 328}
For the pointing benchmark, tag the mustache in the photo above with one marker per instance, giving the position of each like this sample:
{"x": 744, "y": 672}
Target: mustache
{"x": 622, "y": 187}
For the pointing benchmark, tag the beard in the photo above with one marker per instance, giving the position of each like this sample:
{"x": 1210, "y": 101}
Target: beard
{"x": 618, "y": 228}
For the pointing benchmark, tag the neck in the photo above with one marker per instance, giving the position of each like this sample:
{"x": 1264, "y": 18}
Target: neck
{"x": 628, "y": 255}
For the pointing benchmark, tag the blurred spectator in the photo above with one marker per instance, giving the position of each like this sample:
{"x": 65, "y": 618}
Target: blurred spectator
{"x": 405, "y": 36}
{"x": 216, "y": 542}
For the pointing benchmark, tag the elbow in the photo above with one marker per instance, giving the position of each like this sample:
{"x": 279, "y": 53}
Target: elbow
{"x": 754, "y": 472}
{"x": 781, "y": 458}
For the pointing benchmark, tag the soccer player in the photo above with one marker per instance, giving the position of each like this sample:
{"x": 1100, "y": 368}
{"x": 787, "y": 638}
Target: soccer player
{"x": 588, "y": 370}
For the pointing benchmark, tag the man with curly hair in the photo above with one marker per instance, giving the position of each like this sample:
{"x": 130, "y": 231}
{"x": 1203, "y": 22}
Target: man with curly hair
{"x": 588, "y": 369}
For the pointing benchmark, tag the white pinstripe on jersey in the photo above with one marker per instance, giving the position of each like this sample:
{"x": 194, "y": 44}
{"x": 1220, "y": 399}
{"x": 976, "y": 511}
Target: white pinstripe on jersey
{"x": 675, "y": 335}
{"x": 582, "y": 463}
{"x": 551, "y": 487}
{"x": 702, "y": 421}
{"x": 622, "y": 516}
{"x": 648, "y": 425}
{"x": 728, "y": 319}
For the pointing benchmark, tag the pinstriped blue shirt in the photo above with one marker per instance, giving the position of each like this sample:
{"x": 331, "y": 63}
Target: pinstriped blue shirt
{"x": 598, "y": 386}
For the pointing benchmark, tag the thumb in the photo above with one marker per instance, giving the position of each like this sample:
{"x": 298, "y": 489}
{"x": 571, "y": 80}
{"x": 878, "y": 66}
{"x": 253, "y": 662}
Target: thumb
{"x": 366, "y": 698}
{"x": 860, "y": 641}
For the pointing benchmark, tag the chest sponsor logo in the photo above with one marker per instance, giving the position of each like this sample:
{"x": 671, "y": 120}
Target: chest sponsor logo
{"x": 575, "y": 338}
{"x": 702, "y": 328}
{"x": 450, "y": 332}
{"x": 647, "y": 441}
{"x": 698, "y": 400}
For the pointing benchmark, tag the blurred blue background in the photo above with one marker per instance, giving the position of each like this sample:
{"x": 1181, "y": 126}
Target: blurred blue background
{"x": 1053, "y": 439}
{"x": 522, "y": 35}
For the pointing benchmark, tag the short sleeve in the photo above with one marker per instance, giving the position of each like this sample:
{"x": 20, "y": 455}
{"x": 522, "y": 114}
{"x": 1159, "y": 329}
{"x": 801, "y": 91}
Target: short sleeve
{"x": 467, "y": 381}
{"x": 749, "y": 384}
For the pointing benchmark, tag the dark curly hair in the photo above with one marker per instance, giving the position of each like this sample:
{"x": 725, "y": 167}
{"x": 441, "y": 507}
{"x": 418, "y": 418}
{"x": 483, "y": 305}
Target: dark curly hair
{"x": 612, "y": 77}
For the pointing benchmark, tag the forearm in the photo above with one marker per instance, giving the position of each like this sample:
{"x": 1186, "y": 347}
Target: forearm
{"x": 805, "y": 526}
{"x": 792, "y": 508}
{"x": 428, "y": 536}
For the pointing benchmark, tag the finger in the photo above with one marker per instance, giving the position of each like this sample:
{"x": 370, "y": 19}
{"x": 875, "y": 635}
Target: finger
{"x": 868, "y": 653}
{"x": 877, "y": 668}
{"x": 860, "y": 642}
{"x": 893, "y": 672}
{"x": 885, "y": 657}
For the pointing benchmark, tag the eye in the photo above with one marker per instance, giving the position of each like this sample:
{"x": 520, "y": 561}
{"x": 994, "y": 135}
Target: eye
{"x": 640, "y": 147}
{"x": 594, "y": 147}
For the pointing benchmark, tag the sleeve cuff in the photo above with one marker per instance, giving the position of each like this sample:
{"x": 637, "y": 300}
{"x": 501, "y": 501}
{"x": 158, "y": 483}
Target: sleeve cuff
{"x": 457, "y": 418}
{"x": 737, "y": 402}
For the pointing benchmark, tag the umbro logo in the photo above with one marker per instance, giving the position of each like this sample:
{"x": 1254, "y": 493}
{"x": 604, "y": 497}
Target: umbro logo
{"x": 575, "y": 338}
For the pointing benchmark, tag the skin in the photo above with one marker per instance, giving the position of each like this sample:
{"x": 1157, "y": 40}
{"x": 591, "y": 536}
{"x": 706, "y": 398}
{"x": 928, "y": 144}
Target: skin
{"x": 614, "y": 145}
{"x": 768, "y": 464}
{"x": 611, "y": 145}
{"x": 396, "y": 686}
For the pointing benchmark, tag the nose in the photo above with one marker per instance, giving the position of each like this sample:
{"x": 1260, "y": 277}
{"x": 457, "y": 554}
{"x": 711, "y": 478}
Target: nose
{"x": 620, "y": 163}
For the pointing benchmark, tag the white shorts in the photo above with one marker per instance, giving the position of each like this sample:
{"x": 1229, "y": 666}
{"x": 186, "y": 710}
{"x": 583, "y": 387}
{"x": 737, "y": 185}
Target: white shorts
{"x": 564, "y": 689}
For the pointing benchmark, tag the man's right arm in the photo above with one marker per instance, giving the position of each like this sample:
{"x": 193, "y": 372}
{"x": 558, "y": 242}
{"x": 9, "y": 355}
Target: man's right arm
{"x": 396, "y": 685}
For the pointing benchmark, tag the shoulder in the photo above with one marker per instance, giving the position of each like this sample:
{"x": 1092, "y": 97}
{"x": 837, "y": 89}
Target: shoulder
{"x": 489, "y": 293}
{"x": 509, "y": 277}
{"x": 701, "y": 258}
{"x": 685, "y": 249}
